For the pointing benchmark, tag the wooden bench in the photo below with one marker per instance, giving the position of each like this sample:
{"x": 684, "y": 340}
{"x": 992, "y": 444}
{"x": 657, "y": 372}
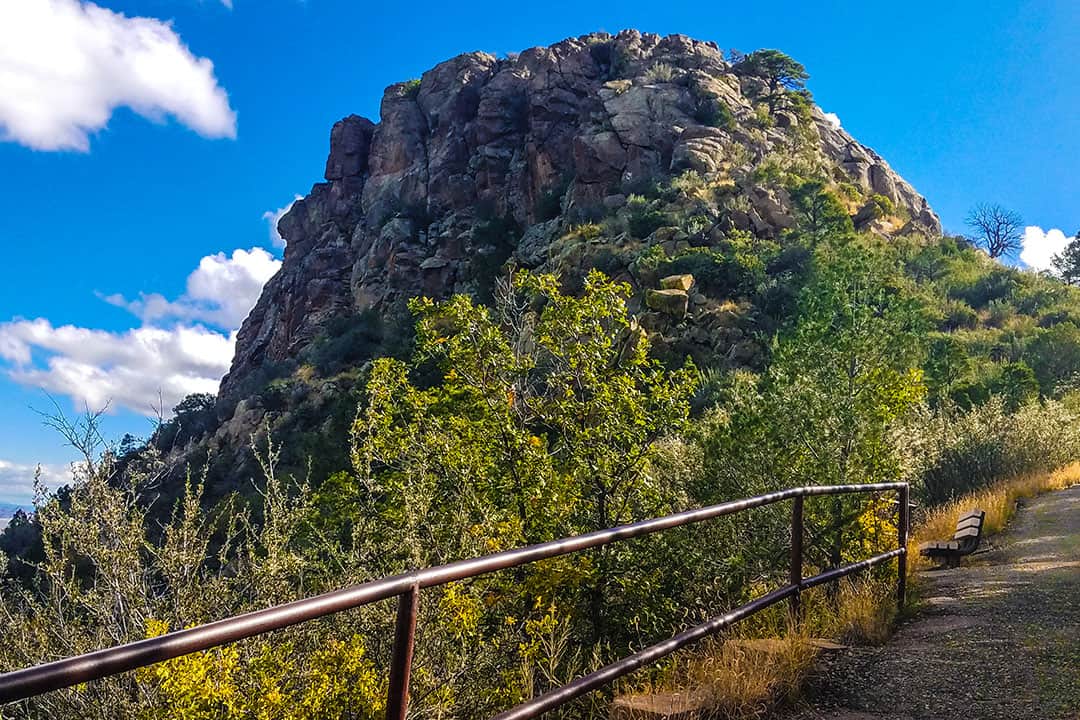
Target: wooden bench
{"x": 964, "y": 541}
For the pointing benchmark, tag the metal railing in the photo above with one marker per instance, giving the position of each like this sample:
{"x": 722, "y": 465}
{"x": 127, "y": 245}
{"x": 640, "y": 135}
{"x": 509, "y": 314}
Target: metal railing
{"x": 406, "y": 587}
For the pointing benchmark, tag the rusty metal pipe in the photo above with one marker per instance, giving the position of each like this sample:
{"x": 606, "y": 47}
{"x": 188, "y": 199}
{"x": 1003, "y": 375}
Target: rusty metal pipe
{"x": 397, "y": 700}
{"x": 902, "y": 528}
{"x": 562, "y": 695}
{"x": 795, "y": 571}
{"x": 843, "y": 570}
{"x": 111, "y": 661}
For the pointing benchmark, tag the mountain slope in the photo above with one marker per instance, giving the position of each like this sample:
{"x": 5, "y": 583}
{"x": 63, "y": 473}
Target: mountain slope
{"x": 643, "y": 156}
{"x": 529, "y": 145}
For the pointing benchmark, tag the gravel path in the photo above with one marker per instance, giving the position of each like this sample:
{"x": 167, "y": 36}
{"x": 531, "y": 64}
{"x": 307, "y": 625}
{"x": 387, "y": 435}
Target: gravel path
{"x": 998, "y": 638}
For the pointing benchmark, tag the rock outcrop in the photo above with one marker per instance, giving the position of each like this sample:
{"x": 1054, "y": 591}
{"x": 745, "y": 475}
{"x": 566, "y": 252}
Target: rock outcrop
{"x": 485, "y": 160}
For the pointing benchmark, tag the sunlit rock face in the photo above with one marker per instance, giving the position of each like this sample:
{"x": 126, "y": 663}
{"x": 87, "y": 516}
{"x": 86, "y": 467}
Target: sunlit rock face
{"x": 487, "y": 160}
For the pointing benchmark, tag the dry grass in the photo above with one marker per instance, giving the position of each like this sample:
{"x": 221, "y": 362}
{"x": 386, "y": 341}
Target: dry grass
{"x": 764, "y": 662}
{"x": 999, "y": 502}
{"x": 865, "y": 611}
{"x": 739, "y": 679}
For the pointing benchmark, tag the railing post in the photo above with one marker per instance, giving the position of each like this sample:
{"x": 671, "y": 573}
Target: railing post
{"x": 397, "y": 701}
{"x": 902, "y": 538}
{"x": 796, "y": 555}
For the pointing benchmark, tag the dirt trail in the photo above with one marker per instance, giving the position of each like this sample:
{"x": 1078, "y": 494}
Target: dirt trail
{"x": 999, "y": 638}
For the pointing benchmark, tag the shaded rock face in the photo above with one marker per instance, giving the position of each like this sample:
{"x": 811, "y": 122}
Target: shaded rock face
{"x": 521, "y": 144}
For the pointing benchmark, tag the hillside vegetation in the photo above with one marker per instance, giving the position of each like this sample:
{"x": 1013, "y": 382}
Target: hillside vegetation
{"x": 667, "y": 352}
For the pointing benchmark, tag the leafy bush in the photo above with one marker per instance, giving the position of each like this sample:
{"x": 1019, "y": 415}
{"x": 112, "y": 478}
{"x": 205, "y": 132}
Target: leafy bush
{"x": 948, "y": 452}
{"x": 644, "y": 218}
{"x": 193, "y": 417}
{"x": 821, "y": 213}
{"x": 659, "y": 72}
{"x": 883, "y": 204}
{"x": 109, "y": 575}
{"x": 958, "y": 315}
{"x": 711, "y": 111}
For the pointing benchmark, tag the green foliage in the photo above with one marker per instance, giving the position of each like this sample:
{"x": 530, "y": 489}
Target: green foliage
{"x": 843, "y": 373}
{"x": 546, "y": 421}
{"x": 821, "y": 213}
{"x": 1067, "y": 263}
{"x": 410, "y": 88}
{"x": 1016, "y": 385}
{"x": 1054, "y": 355}
{"x": 192, "y": 418}
{"x": 644, "y": 217}
{"x": 883, "y": 204}
{"x": 735, "y": 268}
{"x": 494, "y": 241}
{"x": 948, "y": 452}
{"x": 108, "y": 575}
{"x": 777, "y": 68}
{"x": 784, "y": 78}
{"x": 710, "y": 110}
{"x": 350, "y": 341}
{"x": 660, "y": 72}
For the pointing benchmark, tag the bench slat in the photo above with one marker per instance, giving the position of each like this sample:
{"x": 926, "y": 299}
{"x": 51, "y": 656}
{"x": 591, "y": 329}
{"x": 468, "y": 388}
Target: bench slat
{"x": 973, "y": 523}
{"x": 969, "y": 532}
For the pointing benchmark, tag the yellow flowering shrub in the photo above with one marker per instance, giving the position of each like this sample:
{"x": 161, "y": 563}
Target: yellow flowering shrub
{"x": 273, "y": 679}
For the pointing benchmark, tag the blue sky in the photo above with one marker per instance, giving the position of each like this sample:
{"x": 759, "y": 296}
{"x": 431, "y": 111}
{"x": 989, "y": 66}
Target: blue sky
{"x": 116, "y": 182}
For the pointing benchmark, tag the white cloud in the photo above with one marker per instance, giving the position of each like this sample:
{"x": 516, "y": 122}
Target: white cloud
{"x": 1039, "y": 247}
{"x": 221, "y": 291}
{"x": 833, "y": 119}
{"x": 131, "y": 369}
{"x": 66, "y": 65}
{"x": 172, "y": 355}
{"x": 17, "y": 480}
{"x": 272, "y": 217}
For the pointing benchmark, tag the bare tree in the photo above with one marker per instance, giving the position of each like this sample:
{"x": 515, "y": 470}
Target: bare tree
{"x": 997, "y": 230}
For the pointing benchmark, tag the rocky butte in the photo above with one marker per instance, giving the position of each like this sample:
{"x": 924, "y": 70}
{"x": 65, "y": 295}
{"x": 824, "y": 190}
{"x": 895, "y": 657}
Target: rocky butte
{"x": 632, "y": 153}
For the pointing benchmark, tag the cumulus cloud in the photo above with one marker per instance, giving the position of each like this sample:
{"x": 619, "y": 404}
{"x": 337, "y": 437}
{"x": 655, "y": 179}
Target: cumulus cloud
{"x": 66, "y": 65}
{"x": 833, "y": 119}
{"x": 184, "y": 346}
{"x": 272, "y": 217}
{"x": 17, "y": 481}
{"x": 1039, "y": 247}
{"x": 132, "y": 369}
{"x": 221, "y": 291}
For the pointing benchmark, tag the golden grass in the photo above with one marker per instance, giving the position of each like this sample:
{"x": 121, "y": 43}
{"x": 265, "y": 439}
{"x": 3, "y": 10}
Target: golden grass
{"x": 999, "y": 502}
{"x": 764, "y": 662}
{"x": 740, "y": 680}
{"x": 865, "y": 611}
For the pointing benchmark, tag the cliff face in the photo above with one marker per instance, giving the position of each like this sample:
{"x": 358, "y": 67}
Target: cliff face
{"x": 488, "y": 160}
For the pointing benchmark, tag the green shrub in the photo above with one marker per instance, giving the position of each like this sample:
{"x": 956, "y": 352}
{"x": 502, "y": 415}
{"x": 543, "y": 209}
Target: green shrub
{"x": 644, "y": 218}
{"x": 884, "y": 205}
{"x": 958, "y": 315}
{"x": 659, "y": 72}
{"x": 950, "y": 452}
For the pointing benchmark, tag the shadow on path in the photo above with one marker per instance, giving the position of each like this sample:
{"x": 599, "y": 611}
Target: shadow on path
{"x": 999, "y": 638}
